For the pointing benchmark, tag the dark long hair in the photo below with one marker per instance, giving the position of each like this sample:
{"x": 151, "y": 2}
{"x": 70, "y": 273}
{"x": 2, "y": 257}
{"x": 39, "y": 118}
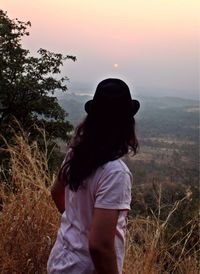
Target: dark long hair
{"x": 98, "y": 140}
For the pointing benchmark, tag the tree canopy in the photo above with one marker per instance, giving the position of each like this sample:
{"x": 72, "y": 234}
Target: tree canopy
{"x": 28, "y": 83}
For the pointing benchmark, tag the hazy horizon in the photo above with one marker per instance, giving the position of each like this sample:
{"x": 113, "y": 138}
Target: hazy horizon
{"x": 152, "y": 45}
{"x": 86, "y": 88}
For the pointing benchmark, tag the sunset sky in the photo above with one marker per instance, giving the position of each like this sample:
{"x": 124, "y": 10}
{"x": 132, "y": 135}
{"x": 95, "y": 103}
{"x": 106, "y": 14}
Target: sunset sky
{"x": 152, "y": 44}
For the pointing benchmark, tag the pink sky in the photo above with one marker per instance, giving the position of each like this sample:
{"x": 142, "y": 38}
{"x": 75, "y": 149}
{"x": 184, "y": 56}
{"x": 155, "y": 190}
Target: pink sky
{"x": 154, "y": 42}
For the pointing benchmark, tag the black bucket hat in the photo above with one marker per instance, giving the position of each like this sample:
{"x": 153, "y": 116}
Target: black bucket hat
{"x": 112, "y": 96}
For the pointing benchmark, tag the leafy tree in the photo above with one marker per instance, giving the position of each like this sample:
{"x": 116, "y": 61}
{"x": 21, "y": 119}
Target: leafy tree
{"x": 28, "y": 83}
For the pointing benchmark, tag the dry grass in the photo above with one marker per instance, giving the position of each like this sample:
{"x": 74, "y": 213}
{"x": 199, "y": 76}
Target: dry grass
{"x": 28, "y": 218}
{"x": 29, "y": 222}
{"x": 152, "y": 249}
{"x": 147, "y": 253}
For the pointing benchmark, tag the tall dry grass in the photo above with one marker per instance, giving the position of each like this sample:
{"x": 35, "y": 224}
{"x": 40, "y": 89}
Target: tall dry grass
{"x": 28, "y": 218}
{"x": 29, "y": 222}
{"x": 151, "y": 249}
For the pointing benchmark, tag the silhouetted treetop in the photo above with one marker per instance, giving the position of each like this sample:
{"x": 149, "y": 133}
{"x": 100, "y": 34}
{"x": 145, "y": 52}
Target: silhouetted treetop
{"x": 27, "y": 83}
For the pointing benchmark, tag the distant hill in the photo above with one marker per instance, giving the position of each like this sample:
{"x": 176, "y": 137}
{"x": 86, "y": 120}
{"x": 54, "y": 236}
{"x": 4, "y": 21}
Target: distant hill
{"x": 73, "y": 104}
{"x": 155, "y": 112}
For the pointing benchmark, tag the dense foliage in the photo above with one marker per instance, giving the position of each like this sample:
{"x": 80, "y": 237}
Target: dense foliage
{"x": 27, "y": 83}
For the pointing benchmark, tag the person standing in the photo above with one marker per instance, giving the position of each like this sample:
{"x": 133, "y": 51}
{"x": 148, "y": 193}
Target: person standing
{"x": 93, "y": 187}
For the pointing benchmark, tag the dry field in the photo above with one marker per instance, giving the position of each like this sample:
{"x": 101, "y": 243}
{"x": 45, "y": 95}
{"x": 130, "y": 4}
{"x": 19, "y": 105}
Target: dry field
{"x": 194, "y": 109}
{"x": 171, "y": 140}
{"x": 29, "y": 222}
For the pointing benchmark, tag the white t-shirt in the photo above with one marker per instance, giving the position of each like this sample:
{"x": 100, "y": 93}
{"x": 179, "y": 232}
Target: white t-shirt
{"x": 109, "y": 188}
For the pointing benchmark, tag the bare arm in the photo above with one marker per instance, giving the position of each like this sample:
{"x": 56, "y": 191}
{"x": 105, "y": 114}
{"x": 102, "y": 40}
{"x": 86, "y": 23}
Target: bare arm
{"x": 58, "y": 194}
{"x": 101, "y": 241}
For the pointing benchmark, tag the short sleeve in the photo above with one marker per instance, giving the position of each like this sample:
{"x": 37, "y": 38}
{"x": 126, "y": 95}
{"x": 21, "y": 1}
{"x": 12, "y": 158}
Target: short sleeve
{"x": 114, "y": 191}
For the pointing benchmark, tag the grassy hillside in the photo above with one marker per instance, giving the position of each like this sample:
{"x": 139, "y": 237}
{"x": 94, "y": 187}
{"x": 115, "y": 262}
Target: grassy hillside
{"x": 29, "y": 221}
